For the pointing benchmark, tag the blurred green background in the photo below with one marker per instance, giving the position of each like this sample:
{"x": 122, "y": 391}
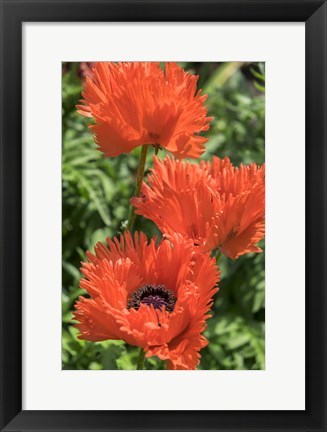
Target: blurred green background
{"x": 95, "y": 201}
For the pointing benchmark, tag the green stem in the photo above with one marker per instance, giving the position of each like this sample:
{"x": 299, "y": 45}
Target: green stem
{"x": 218, "y": 256}
{"x": 139, "y": 179}
{"x": 140, "y": 360}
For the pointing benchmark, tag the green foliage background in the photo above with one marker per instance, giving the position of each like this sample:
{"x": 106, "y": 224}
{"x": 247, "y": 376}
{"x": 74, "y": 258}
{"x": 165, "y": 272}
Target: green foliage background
{"x": 95, "y": 201}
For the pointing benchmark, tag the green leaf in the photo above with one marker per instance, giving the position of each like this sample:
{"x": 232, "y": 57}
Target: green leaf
{"x": 259, "y": 87}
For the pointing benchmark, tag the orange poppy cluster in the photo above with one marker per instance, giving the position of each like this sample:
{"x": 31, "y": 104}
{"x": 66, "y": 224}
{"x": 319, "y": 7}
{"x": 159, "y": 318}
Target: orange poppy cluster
{"x": 215, "y": 204}
{"x": 153, "y": 296}
{"x": 138, "y": 103}
{"x": 157, "y": 296}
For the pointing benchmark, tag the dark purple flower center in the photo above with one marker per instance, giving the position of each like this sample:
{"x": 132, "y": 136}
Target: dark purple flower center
{"x": 156, "y": 295}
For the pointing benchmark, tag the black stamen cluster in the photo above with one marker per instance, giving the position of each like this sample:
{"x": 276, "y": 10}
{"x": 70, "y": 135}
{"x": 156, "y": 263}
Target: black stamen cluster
{"x": 155, "y": 295}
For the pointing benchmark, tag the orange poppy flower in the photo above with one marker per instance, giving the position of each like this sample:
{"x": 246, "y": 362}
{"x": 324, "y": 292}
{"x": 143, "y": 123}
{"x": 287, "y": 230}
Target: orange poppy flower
{"x": 154, "y": 297}
{"x": 138, "y": 103}
{"x": 215, "y": 204}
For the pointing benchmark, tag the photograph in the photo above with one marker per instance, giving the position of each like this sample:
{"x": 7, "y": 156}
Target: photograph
{"x": 163, "y": 215}
{"x": 145, "y": 247}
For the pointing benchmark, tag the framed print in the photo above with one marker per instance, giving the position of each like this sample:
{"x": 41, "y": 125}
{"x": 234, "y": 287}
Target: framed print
{"x": 163, "y": 215}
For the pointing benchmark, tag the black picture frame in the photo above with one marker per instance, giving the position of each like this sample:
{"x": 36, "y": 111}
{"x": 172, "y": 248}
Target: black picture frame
{"x": 13, "y": 14}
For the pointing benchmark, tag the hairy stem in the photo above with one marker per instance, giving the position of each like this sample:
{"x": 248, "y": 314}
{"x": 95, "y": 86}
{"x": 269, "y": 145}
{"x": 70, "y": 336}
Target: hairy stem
{"x": 139, "y": 179}
{"x": 140, "y": 360}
